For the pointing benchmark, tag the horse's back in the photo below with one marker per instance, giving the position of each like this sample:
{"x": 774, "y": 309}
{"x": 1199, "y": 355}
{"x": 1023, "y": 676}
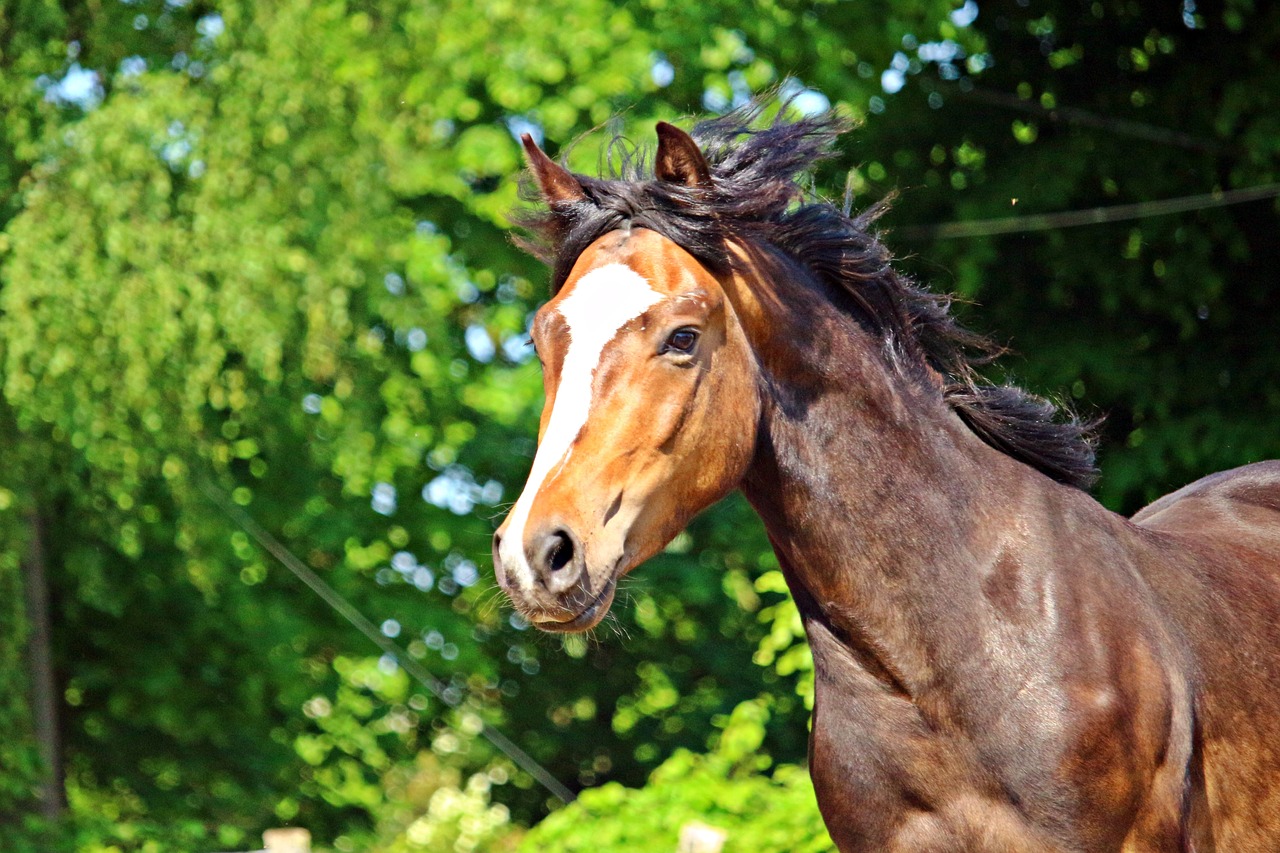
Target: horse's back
{"x": 1224, "y": 533}
{"x": 1241, "y": 506}
{"x": 1218, "y": 549}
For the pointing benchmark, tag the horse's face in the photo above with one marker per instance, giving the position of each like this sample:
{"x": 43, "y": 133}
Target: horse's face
{"x": 650, "y": 417}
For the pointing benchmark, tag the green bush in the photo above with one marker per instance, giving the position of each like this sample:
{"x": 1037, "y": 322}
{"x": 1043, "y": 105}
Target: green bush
{"x": 728, "y": 789}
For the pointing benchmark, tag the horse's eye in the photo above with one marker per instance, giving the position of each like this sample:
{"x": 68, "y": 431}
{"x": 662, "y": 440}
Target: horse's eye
{"x": 681, "y": 340}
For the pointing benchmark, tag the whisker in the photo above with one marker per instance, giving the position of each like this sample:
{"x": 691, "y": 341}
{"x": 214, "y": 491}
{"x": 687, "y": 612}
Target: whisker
{"x": 489, "y": 601}
{"x": 619, "y": 629}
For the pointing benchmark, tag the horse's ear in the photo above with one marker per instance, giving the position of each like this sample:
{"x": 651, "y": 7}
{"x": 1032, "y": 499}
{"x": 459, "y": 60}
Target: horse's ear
{"x": 557, "y": 184}
{"x": 679, "y": 160}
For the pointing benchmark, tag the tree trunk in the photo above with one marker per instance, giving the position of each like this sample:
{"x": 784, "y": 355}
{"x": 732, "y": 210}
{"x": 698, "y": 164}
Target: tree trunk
{"x": 44, "y": 701}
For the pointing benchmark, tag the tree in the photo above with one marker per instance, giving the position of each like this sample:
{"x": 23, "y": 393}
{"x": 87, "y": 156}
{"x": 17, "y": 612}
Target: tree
{"x": 1156, "y": 323}
{"x": 39, "y": 45}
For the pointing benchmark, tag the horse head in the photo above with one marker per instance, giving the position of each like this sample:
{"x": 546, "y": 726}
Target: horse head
{"x": 650, "y": 414}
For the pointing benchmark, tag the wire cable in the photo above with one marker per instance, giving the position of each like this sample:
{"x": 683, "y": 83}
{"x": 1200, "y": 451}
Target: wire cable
{"x": 1086, "y": 118}
{"x": 349, "y": 612}
{"x": 1090, "y": 216}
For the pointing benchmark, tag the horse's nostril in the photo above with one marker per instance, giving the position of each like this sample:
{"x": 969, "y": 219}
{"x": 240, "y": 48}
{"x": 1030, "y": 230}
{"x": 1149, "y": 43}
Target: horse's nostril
{"x": 497, "y": 542}
{"x": 557, "y": 560}
{"x": 560, "y": 551}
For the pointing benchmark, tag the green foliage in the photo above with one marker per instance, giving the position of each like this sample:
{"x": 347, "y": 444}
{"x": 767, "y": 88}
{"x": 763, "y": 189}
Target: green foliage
{"x": 442, "y": 813}
{"x": 437, "y": 800}
{"x": 266, "y": 252}
{"x": 784, "y": 648}
{"x": 728, "y": 788}
{"x": 1156, "y": 324}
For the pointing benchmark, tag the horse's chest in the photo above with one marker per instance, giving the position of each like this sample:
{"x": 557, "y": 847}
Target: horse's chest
{"x": 876, "y": 768}
{"x": 888, "y": 779}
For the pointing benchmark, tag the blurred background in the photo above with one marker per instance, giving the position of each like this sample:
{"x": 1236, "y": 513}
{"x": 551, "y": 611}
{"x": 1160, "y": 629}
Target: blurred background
{"x": 257, "y": 292}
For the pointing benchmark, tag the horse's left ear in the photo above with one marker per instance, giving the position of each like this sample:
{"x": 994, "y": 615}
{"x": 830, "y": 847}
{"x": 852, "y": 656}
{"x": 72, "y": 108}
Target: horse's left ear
{"x": 679, "y": 160}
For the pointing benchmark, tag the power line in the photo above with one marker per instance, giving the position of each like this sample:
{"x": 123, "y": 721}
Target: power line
{"x": 1089, "y": 216}
{"x": 1077, "y": 116}
{"x": 415, "y": 669}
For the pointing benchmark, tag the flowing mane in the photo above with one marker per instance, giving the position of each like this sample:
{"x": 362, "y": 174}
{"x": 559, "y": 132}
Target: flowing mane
{"x": 756, "y": 195}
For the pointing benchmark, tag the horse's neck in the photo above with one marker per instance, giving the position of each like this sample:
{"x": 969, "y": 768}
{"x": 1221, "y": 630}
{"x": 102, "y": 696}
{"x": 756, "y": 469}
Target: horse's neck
{"x": 884, "y": 530}
{"x": 980, "y": 633}
{"x": 896, "y": 525}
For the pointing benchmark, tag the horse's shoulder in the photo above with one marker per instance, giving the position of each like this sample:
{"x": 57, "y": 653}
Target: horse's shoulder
{"x": 1255, "y": 487}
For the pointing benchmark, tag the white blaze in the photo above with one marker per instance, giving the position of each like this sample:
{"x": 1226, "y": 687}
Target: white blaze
{"x": 601, "y": 303}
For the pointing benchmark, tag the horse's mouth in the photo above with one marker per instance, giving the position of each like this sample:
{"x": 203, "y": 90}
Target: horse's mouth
{"x": 586, "y": 618}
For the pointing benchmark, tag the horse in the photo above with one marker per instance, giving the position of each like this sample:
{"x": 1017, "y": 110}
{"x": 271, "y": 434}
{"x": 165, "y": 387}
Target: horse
{"x": 1001, "y": 664}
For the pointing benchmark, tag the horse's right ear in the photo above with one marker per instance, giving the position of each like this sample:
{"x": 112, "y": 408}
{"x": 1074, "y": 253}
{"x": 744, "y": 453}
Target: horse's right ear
{"x": 558, "y": 185}
{"x": 679, "y": 159}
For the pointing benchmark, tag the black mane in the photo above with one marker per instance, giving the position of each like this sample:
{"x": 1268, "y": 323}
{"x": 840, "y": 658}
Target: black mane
{"x": 755, "y": 196}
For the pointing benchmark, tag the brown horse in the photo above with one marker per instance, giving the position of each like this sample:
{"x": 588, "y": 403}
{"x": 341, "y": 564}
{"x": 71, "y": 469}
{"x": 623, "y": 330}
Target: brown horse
{"x": 1001, "y": 663}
